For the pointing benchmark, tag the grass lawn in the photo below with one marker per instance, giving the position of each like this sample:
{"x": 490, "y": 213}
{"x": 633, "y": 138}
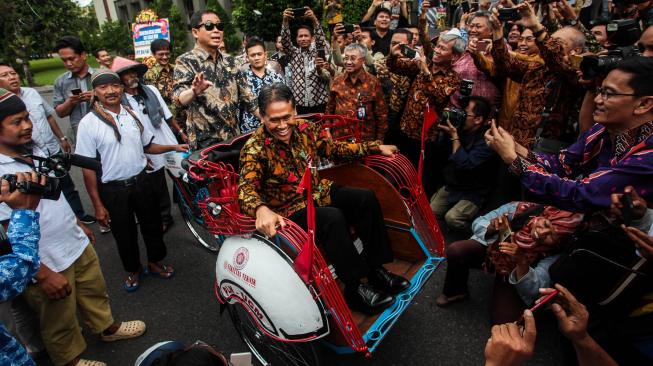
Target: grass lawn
{"x": 46, "y": 70}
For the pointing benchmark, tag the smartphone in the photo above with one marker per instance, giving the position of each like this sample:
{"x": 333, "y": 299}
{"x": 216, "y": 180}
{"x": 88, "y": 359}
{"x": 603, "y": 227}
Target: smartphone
{"x": 509, "y": 14}
{"x": 482, "y": 45}
{"x": 433, "y": 3}
{"x": 298, "y": 12}
{"x": 321, "y": 53}
{"x": 465, "y": 6}
{"x": 542, "y": 302}
{"x": 408, "y": 52}
{"x": 627, "y": 210}
{"x": 349, "y": 28}
{"x": 504, "y": 234}
{"x": 76, "y": 91}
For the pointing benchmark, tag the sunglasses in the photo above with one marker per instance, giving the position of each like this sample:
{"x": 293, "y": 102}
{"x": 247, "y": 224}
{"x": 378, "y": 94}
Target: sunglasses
{"x": 209, "y": 25}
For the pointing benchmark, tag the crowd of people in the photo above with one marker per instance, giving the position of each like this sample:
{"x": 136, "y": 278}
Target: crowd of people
{"x": 540, "y": 147}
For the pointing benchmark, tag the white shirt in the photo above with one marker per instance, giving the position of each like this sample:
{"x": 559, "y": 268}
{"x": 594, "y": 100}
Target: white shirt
{"x": 120, "y": 159}
{"x": 162, "y": 135}
{"x": 39, "y": 111}
{"x": 62, "y": 240}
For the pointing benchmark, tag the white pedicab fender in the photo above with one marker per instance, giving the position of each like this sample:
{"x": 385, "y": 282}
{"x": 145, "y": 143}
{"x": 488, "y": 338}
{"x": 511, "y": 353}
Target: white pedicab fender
{"x": 256, "y": 274}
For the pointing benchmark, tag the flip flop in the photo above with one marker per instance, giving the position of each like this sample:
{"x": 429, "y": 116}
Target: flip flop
{"x": 166, "y": 273}
{"x": 134, "y": 285}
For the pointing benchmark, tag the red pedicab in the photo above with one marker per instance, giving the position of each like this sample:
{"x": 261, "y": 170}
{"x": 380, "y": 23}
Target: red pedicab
{"x": 279, "y": 315}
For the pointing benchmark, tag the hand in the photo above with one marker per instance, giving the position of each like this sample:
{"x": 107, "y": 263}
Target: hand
{"x": 643, "y": 242}
{"x": 183, "y": 137}
{"x": 86, "y": 96}
{"x": 496, "y": 224}
{"x": 528, "y": 17}
{"x": 75, "y": 99}
{"x": 497, "y": 28}
{"x": 17, "y": 199}
{"x": 357, "y": 32}
{"x": 102, "y": 216}
{"x": 319, "y": 63}
{"x": 426, "y": 5}
{"x": 639, "y": 204}
{"x": 339, "y": 29}
{"x": 572, "y": 315}
{"x": 182, "y": 147}
{"x": 508, "y": 346}
{"x": 502, "y": 142}
{"x": 65, "y": 146}
{"x": 267, "y": 221}
{"x": 463, "y": 21}
{"x": 287, "y": 15}
{"x": 89, "y": 233}
{"x": 310, "y": 15}
{"x": 396, "y": 50}
{"x": 377, "y": 3}
{"x": 200, "y": 84}
{"x": 513, "y": 250}
{"x": 388, "y": 150}
{"x": 54, "y": 285}
{"x": 565, "y": 10}
{"x": 449, "y": 129}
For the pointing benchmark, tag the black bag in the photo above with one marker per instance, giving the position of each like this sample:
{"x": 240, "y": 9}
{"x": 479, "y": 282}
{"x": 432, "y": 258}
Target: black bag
{"x": 601, "y": 268}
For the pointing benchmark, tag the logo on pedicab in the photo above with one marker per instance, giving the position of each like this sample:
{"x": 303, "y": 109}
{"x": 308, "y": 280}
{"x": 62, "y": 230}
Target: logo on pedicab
{"x": 241, "y": 256}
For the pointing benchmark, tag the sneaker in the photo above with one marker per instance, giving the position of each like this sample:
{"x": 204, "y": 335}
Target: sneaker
{"x": 87, "y": 219}
{"x": 105, "y": 229}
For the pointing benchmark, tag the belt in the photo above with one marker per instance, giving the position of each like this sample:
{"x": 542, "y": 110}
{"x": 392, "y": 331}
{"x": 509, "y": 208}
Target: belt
{"x": 127, "y": 182}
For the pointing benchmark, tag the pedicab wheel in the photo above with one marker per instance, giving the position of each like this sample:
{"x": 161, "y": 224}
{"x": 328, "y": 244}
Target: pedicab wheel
{"x": 267, "y": 350}
{"x": 207, "y": 240}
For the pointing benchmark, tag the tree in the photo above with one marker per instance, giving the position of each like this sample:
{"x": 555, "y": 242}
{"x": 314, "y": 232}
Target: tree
{"x": 115, "y": 36}
{"x": 267, "y": 25}
{"x": 353, "y": 11}
{"x": 178, "y": 28}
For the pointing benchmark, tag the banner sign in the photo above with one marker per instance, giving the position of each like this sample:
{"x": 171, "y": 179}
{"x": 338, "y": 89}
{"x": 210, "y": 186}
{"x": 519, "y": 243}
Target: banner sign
{"x": 143, "y": 33}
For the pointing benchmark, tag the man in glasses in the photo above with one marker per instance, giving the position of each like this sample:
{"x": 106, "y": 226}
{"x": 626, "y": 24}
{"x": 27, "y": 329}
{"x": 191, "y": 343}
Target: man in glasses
{"x": 210, "y": 84}
{"x": 614, "y": 153}
{"x": 358, "y": 93}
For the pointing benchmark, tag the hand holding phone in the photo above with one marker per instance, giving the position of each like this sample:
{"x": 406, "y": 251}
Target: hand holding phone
{"x": 298, "y": 12}
{"x": 76, "y": 91}
{"x": 482, "y": 45}
{"x": 627, "y": 209}
{"x": 408, "y": 52}
{"x": 349, "y": 28}
{"x": 321, "y": 53}
{"x": 539, "y": 303}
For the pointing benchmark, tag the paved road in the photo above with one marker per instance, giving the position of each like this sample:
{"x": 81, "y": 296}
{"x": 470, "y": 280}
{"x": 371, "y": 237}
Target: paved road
{"x": 185, "y": 309}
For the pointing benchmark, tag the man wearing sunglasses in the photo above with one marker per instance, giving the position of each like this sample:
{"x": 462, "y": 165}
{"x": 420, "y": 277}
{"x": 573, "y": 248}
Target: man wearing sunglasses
{"x": 614, "y": 153}
{"x": 209, "y": 83}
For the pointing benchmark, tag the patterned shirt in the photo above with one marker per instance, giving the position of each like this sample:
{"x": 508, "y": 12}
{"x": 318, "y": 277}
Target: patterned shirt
{"x": 248, "y": 121}
{"x": 399, "y": 92}
{"x": 435, "y": 89}
{"x": 162, "y": 79}
{"x": 16, "y": 270}
{"x": 347, "y": 95}
{"x": 212, "y": 116}
{"x": 583, "y": 176}
{"x": 270, "y": 170}
{"x": 309, "y": 86}
{"x": 483, "y": 85}
{"x": 533, "y": 94}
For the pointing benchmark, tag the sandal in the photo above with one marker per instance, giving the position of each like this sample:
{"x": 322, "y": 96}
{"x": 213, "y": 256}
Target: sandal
{"x": 83, "y": 362}
{"x": 444, "y": 300}
{"x": 164, "y": 271}
{"x": 132, "y": 283}
{"x": 131, "y": 329}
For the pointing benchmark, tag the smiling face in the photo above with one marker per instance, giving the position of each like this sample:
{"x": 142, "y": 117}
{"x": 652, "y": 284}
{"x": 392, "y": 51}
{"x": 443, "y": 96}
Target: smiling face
{"x": 353, "y": 61}
{"x": 304, "y": 38}
{"x": 443, "y": 53}
{"x": 616, "y": 110}
{"x": 104, "y": 58}
{"x": 16, "y": 130}
{"x": 513, "y": 35}
{"x": 543, "y": 232}
{"x": 278, "y": 118}
{"x": 209, "y": 39}
{"x": 479, "y": 28}
{"x": 9, "y": 79}
{"x": 382, "y": 21}
{"x": 526, "y": 44}
{"x": 162, "y": 57}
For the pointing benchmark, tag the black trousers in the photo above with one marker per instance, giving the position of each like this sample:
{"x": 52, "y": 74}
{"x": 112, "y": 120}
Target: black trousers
{"x": 123, "y": 202}
{"x": 320, "y": 108}
{"x": 72, "y": 196}
{"x": 360, "y": 209}
{"x": 433, "y": 161}
{"x": 161, "y": 194}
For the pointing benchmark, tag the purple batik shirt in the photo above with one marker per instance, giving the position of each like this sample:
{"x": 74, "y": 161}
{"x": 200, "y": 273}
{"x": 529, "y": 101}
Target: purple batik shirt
{"x": 582, "y": 177}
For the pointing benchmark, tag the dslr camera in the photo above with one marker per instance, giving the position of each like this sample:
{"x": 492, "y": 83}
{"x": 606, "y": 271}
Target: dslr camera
{"x": 623, "y": 33}
{"x": 54, "y": 168}
{"x": 457, "y": 116}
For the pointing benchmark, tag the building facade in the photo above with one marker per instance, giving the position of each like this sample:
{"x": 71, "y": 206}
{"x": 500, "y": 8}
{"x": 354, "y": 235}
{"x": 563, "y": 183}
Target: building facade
{"x": 126, "y": 10}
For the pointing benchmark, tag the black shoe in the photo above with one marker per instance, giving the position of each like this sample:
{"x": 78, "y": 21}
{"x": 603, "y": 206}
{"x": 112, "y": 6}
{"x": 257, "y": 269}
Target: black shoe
{"x": 366, "y": 299}
{"x": 87, "y": 219}
{"x": 382, "y": 279}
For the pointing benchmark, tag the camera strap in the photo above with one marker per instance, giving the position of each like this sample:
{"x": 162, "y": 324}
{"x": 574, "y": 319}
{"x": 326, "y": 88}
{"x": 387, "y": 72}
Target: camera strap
{"x": 553, "y": 90}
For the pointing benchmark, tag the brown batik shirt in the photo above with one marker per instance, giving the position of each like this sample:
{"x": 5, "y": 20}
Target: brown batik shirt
{"x": 270, "y": 170}
{"x": 161, "y": 77}
{"x": 212, "y": 116}
{"x": 347, "y": 95}
{"x": 435, "y": 89}
{"x": 533, "y": 93}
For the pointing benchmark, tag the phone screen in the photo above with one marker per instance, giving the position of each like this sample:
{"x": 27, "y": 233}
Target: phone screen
{"x": 481, "y": 46}
{"x": 76, "y": 91}
{"x": 321, "y": 53}
{"x": 298, "y": 12}
{"x": 408, "y": 52}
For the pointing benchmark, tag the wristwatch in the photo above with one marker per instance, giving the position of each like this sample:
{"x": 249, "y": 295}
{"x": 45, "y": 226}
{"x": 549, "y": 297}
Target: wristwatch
{"x": 63, "y": 138}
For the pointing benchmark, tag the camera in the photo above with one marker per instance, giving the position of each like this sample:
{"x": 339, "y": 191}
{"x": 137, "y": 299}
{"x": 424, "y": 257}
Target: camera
{"x": 623, "y": 33}
{"x": 457, "y": 116}
{"x": 509, "y": 14}
{"x": 54, "y": 168}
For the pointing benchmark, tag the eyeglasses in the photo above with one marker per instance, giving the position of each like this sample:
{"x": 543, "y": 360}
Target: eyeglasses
{"x": 209, "y": 25}
{"x": 607, "y": 94}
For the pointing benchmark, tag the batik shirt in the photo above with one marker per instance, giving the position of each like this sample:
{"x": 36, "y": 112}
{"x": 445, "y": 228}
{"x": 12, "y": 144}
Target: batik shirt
{"x": 583, "y": 176}
{"x": 270, "y": 170}
{"x": 16, "y": 270}
{"x": 533, "y": 94}
{"x": 248, "y": 121}
{"x": 212, "y": 116}
{"x": 161, "y": 77}
{"x": 435, "y": 89}
{"x": 365, "y": 91}
{"x": 309, "y": 86}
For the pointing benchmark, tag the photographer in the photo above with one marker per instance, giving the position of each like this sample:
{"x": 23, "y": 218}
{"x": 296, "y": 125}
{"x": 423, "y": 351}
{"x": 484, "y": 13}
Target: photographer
{"x": 19, "y": 260}
{"x": 70, "y": 278}
{"x": 470, "y": 162}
